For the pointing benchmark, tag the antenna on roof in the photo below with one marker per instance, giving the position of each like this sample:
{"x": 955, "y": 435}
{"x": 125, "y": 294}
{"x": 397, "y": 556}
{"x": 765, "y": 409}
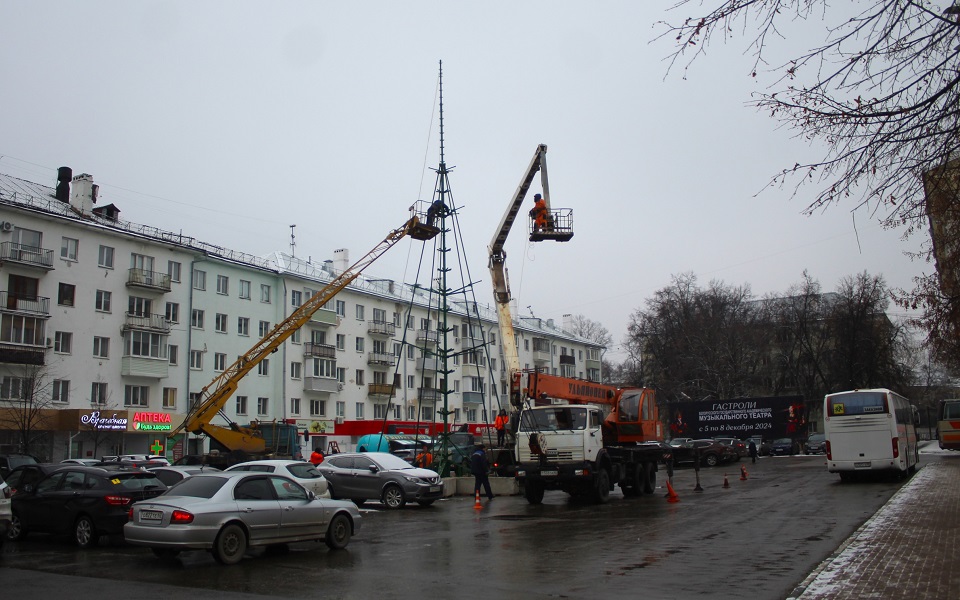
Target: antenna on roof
{"x": 293, "y": 242}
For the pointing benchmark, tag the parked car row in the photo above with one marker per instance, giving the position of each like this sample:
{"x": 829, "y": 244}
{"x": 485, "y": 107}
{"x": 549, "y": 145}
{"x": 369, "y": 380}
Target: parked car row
{"x": 174, "y": 508}
{"x": 709, "y": 452}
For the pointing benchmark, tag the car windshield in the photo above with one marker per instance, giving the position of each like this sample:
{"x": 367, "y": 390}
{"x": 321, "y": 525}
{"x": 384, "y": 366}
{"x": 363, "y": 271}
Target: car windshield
{"x": 16, "y": 461}
{"x": 391, "y": 462}
{"x": 554, "y": 419}
{"x": 817, "y": 437}
{"x": 783, "y": 441}
{"x": 198, "y": 486}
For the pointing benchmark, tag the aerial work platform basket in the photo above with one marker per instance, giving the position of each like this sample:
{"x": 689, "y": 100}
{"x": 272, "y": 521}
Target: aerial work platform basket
{"x": 559, "y": 227}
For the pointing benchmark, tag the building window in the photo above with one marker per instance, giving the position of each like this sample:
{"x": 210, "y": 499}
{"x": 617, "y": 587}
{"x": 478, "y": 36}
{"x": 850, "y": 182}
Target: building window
{"x": 318, "y": 408}
{"x": 101, "y": 347}
{"x": 294, "y": 406}
{"x": 341, "y": 308}
{"x": 172, "y": 313}
{"x": 61, "y": 391}
{"x": 221, "y": 323}
{"x": 16, "y": 388}
{"x": 295, "y": 337}
{"x": 411, "y": 381}
{"x": 380, "y": 411}
{"x": 341, "y": 341}
{"x": 105, "y": 257}
{"x": 68, "y": 248}
{"x": 263, "y": 406}
{"x": 223, "y": 284}
{"x": 173, "y": 352}
{"x": 341, "y": 408}
{"x": 264, "y": 293}
{"x": 65, "y": 294}
{"x": 296, "y": 298}
{"x": 173, "y": 270}
{"x": 136, "y": 395}
{"x": 199, "y": 280}
{"x": 296, "y": 370}
{"x": 263, "y": 368}
{"x": 243, "y": 326}
{"x": 139, "y": 307}
{"x": 264, "y": 328}
{"x": 62, "y": 342}
{"x": 146, "y": 344}
{"x": 196, "y": 359}
{"x": 170, "y": 398}
{"x": 98, "y": 393}
{"x": 241, "y": 405}
{"x": 102, "y": 302}
{"x": 359, "y": 344}
{"x": 359, "y": 375}
{"x": 324, "y": 367}
{"x": 194, "y": 398}
{"x": 219, "y": 361}
{"x": 196, "y": 319}
{"x": 426, "y": 413}
{"x": 360, "y": 311}
{"x": 358, "y": 410}
{"x": 244, "y": 289}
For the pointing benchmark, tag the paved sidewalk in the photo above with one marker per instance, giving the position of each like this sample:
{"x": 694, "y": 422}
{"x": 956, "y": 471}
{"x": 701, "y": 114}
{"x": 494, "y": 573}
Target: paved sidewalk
{"x": 909, "y": 549}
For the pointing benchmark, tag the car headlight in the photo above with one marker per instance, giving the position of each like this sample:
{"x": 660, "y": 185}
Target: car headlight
{"x": 413, "y": 479}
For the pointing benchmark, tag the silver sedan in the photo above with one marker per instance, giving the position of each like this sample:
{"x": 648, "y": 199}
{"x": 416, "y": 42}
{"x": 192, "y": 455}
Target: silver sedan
{"x": 228, "y": 512}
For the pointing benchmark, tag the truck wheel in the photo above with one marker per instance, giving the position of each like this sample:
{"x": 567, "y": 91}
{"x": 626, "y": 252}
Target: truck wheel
{"x": 650, "y": 478}
{"x": 601, "y": 487}
{"x": 533, "y": 492}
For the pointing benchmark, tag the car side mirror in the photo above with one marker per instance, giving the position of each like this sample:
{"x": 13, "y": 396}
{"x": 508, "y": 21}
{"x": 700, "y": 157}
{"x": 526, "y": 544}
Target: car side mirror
{"x": 28, "y": 488}
{"x": 311, "y": 496}
{"x": 373, "y": 468}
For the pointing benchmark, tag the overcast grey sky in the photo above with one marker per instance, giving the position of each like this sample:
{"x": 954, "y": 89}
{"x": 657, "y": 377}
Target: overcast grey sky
{"x": 230, "y": 121}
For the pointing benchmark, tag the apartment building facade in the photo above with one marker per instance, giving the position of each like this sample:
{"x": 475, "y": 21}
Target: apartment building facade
{"x": 109, "y": 330}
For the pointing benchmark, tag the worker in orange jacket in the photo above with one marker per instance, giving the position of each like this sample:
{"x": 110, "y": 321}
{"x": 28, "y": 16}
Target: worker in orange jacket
{"x": 539, "y": 213}
{"x": 500, "y": 424}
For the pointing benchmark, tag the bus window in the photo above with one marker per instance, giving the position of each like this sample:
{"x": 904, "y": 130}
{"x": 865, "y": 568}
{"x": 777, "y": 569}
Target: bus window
{"x": 857, "y": 403}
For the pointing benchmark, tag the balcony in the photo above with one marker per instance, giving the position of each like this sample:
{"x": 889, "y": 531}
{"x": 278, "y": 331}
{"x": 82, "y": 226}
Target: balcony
{"x": 380, "y": 389}
{"x": 27, "y": 256}
{"x": 325, "y": 317}
{"x": 428, "y": 364}
{"x": 148, "y": 280}
{"x": 35, "y": 305}
{"x": 138, "y": 366}
{"x": 22, "y": 354}
{"x": 381, "y": 359}
{"x": 473, "y": 397}
{"x": 541, "y": 350}
{"x": 320, "y": 384}
{"x": 591, "y": 364}
{"x": 381, "y": 328}
{"x": 426, "y": 336}
{"x": 429, "y": 394}
{"x": 311, "y": 350}
{"x": 157, "y": 323}
{"x": 568, "y": 359}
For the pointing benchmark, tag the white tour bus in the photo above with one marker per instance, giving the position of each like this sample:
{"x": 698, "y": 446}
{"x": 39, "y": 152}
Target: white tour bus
{"x": 870, "y": 431}
{"x": 948, "y": 424}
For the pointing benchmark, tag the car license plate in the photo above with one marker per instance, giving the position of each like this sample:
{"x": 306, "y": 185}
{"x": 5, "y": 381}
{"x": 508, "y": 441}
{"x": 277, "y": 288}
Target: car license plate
{"x": 435, "y": 488}
{"x": 151, "y": 515}
{"x": 549, "y": 473}
{"x": 861, "y": 465}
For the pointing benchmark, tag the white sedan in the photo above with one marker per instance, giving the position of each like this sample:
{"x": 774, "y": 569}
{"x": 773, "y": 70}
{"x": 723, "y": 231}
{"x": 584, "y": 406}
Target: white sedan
{"x": 302, "y": 472}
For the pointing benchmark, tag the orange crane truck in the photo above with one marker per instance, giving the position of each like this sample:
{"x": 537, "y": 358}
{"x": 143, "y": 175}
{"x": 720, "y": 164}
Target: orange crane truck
{"x": 584, "y": 437}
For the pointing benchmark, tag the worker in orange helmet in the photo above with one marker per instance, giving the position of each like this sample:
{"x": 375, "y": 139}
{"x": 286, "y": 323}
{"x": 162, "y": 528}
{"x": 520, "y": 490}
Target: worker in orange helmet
{"x": 539, "y": 213}
{"x": 316, "y": 457}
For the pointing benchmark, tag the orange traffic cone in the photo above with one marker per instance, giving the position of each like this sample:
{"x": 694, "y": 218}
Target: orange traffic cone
{"x": 743, "y": 472}
{"x": 726, "y": 484}
{"x": 671, "y": 493}
{"x": 476, "y": 503}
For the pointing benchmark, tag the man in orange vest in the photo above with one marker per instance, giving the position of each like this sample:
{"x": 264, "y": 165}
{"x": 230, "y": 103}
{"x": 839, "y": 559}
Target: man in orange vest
{"x": 500, "y": 424}
{"x": 539, "y": 213}
{"x": 317, "y": 457}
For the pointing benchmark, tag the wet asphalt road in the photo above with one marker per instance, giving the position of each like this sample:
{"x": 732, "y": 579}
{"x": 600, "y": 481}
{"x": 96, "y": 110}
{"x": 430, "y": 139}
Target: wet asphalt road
{"x": 759, "y": 538}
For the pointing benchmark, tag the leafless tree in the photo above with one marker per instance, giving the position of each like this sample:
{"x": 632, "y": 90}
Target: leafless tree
{"x": 591, "y": 330}
{"x": 26, "y": 407}
{"x": 882, "y": 93}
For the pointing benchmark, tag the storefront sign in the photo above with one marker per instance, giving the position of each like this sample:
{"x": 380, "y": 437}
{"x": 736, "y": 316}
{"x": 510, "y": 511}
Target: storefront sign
{"x": 151, "y": 421}
{"x": 97, "y": 421}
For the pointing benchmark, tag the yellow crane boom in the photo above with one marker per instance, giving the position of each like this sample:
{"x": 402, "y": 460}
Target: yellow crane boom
{"x": 214, "y": 396}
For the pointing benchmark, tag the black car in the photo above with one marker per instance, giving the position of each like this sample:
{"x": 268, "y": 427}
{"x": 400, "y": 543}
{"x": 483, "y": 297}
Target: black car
{"x": 710, "y": 452}
{"x": 815, "y": 444}
{"x": 784, "y": 447}
{"x": 9, "y": 462}
{"x": 29, "y": 474}
{"x": 83, "y": 502}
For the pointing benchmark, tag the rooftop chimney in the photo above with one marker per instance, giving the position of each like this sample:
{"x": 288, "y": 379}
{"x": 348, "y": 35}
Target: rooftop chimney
{"x": 64, "y": 174}
{"x": 341, "y": 260}
{"x": 84, "y": 194}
